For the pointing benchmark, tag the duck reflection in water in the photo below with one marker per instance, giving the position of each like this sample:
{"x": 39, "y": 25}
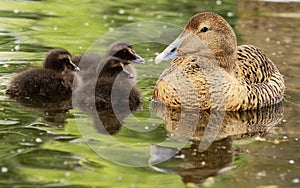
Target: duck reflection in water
{"x": 210, "y": 151}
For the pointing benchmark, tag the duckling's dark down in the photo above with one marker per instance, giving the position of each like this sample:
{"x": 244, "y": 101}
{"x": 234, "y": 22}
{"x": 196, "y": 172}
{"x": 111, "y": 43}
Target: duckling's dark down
{"x": 115, "y": 85}
{"x": 50, "y": 81}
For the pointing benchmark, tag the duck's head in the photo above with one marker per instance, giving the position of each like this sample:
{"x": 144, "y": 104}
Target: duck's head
{"x": 114, "y": 66}
{"x": 124, "y": 51}
{"x": 60, "y": 60}
{"x": 204, "y": 33}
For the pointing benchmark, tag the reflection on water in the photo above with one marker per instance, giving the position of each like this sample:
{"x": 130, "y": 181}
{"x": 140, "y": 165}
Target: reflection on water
{"x": 208, "y": 156}
{"x": 255, "y": 152}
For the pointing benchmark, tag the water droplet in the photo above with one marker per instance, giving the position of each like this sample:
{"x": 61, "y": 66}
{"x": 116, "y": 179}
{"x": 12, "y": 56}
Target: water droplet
{"x": 291, "y": 161}
{"x": 16, "y": 11}
{"x": 230, "y": 14}
{"x": 295, "y": 180}
{"x": 38, "y": 140}
{"x": 218, "y": 2}
{"x": 130, "y": 18}
{"x": 121, "y": 11}
{"x": 17, "y": 47}
{"x": 4, "y": 169}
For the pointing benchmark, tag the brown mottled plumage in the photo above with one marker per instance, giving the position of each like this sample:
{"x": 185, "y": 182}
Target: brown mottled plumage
{"x": 52, "y": 80}
{"x": 209, "y": 70}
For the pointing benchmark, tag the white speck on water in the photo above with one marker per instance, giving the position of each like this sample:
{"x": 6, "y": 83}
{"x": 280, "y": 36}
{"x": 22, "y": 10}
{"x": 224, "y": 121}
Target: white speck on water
{"x": 296, "y": 139}
{"x": 156, "y": 53}
{"x": 86, "y": 24}
{"x": 66, "y": 162}
{"x": 16, "y": 11}
{"x": 139, "y": 24}
{"x": 121, "y": 11}
{"x": 111, "y": 29}
{"x": 165, "y": 26}
{"x": 104, "y": 17}
{"x": 291, "y": 161}
{"x": 112, "y": 21}
{"x": 4, "y": 169}
{"x": 278, "y": 42}
{"x": 274, "y": 53}
{"x": 203, "y": 163}
{"x": 105, "y": 25}
{"x": 120, "y": 178}
{"x": 17, "y": 47}
{"x": 146, "y": 127}
{"x": 218, "y": 2}
{"x": 150, "y": 60}
{"x": 55, "y": 28}
{"x": 295, "y": 180}
{"x": 285, "y": 137}
{"x": 261, "y": 174}
{"x": 80, "y": 47}
{"x": 130, "y": 18}
{"x": 67, "y": 174}
{"x": 267, "y": 39}
{"x": 38, "y": 140}
{"x": 230, "y": 14}
{"x": 182, "y": 156}
{"x": 284, "y": 120}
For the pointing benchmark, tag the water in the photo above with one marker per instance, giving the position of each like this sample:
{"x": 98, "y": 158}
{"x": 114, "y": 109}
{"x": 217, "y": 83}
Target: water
{"x": 43, "y": 146}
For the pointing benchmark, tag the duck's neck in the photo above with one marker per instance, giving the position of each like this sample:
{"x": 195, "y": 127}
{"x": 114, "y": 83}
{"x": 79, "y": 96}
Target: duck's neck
{"x": 226, "y": 61}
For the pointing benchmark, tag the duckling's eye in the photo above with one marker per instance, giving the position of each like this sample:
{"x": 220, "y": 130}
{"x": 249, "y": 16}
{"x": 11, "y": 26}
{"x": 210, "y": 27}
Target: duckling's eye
{"x": 204, "y": 29}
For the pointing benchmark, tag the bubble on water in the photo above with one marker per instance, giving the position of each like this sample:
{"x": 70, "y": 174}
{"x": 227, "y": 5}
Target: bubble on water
{"x": 38, "y": 140}
{"x": 112, "y": 21}
{"x": 55, "y": 28}
{"x": 104, "y": 17}
{"x": 203, "y": 163}
{"x": 130, "y": 18}
{"x": 295, "y": 180}
{"x": 120, "y": 178}
{"x": 146, "y": 127}
{"x": 182, "y": 156}
{"x": 86, "y": 24}
{"x": 285, "y": 137}
{"x": 67, "y": 174}
{"x": 165, "y": 27}
{"x": 121, "y": 11}
{"x": 291, "y": 161}
{"x": 4, "y": 169}
{"x": 16, "y": 11}
{"x": 110, "y": 29}
{"x": 230, "y": 14}
{"x": 218, "y": 2}
{"x": 17, "y": 47}
{"x": 284, "y": 120}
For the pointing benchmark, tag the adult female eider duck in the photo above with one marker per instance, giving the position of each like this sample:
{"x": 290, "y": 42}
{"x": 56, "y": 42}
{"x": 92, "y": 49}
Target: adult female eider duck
{"x": 48, "y": 82}
{"x": 112, "y": 80}
{"x": 209, "y": 70}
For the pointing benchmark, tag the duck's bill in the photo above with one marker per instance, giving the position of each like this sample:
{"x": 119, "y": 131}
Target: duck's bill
{"x": 138, "y": 60}
{"x": 127, "y": 73}
{"x": 170, "y": 52}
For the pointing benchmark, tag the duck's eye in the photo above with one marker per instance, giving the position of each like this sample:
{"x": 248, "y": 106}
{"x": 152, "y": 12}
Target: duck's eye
{"x": 204, "y": 29}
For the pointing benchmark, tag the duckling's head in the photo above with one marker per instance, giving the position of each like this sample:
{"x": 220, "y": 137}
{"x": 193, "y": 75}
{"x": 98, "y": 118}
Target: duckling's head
{"x": 60, "y": 60}
{"x": 114, "y": 66}
{"x": 204, "y": 33}
{"x": 124, "y": 51}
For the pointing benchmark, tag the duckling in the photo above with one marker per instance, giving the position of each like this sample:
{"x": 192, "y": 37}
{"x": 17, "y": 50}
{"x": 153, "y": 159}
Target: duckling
{"x": 119, "y": 49}
{"x": 210, "y": 71}
{"x": 52, "y": 80}
{"x": 114, "y": 87}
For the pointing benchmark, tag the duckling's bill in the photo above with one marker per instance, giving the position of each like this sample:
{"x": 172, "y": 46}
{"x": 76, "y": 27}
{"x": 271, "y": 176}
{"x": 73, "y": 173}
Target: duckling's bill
{"x": 138, "y": 60}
